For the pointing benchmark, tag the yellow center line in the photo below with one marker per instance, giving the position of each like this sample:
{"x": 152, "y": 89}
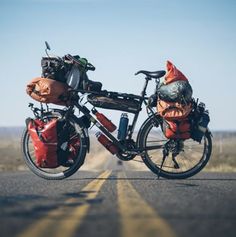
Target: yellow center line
{"x": 138, "y": 218}
{"x": 64, "y": 220}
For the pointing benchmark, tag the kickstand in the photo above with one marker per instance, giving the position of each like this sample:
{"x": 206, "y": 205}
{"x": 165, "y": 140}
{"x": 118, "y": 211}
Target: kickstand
{"x": 165, "y": 154}
{"x": 176, "y": 165}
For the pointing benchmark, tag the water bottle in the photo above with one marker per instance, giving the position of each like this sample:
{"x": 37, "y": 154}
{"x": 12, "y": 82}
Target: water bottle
{"x": 111, "y": 127}
{"x": 123, "y": 125}
{"x": 106, "y": 143}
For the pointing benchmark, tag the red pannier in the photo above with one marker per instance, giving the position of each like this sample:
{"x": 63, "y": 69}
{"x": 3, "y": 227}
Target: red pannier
{"x": 176, "y": 129}
{"x": 53, "y": 144}
{"x": 44, "y": 138}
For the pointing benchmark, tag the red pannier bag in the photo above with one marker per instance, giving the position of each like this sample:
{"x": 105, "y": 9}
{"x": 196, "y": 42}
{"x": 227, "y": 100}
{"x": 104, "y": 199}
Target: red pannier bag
{"x": 45, "y": 142}
{"x": 176, "y": 129}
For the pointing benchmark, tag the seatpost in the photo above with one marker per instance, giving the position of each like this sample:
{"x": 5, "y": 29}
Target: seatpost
{"x": 143, "y": 93}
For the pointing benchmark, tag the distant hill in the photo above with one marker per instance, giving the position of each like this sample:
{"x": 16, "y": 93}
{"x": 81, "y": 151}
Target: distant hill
{"x": 11, "y": 132}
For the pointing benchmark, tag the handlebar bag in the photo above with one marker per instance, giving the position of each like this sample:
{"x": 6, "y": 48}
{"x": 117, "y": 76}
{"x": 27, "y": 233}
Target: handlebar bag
{"x": 173, "y": 110}
{"x": 64, "y": 71}
{"x": 54, "y": 68}
{"x": 48, "y": 91}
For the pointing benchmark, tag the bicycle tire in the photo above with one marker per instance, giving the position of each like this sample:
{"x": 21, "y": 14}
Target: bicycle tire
{"x": 42, "y": 172}
{"x": 155, "y": 168}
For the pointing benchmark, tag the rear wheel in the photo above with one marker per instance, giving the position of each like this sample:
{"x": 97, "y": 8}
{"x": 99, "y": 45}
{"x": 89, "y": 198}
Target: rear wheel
{"x": 60, "y": 172}
{"x": 191, "y": 159}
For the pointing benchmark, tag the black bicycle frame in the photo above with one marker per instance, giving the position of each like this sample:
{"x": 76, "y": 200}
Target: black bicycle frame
{"x": 142, "y": 99}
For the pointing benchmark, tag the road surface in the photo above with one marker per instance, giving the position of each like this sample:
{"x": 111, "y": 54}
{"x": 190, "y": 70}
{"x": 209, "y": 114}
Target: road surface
{"x": 117, "y": 201}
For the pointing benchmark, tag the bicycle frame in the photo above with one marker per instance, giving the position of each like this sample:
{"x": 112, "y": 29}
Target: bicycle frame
{"x": 142, "y": 99}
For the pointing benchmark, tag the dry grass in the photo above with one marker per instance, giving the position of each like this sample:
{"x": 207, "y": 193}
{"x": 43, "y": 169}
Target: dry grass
{"x": 223, "y": 156}
{"x": 10, "y": 155}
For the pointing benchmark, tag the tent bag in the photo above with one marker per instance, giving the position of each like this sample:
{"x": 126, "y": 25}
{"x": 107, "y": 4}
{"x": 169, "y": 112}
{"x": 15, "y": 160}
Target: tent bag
{"x": 48, "y": 91}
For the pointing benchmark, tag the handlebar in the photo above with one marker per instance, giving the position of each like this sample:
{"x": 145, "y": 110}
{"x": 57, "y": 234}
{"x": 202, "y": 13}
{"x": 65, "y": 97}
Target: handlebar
{"x": 85, "y": 64}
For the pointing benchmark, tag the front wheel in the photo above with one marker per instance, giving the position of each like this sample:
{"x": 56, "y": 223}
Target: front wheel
{"x": 60, "y": 172}
{"x": 191, "y": 159}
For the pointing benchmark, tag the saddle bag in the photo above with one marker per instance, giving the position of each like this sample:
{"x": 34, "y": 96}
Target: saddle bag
{"x": 115, "y": 101}
{"x": 52, "y": 143}
{"x": 176, "y": 129}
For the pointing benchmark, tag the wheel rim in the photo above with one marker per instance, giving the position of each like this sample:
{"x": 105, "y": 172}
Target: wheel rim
{"x": 191, "y": 159}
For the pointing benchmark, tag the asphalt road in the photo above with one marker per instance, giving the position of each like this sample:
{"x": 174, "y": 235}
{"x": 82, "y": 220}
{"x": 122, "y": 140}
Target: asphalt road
{"x": 117, "y": 201}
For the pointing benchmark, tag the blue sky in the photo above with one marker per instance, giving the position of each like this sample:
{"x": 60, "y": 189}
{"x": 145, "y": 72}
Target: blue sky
{"x": 120, "y": 38}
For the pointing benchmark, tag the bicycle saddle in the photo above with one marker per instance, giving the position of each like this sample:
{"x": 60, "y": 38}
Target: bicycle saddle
{"x": 155, "y": 75}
